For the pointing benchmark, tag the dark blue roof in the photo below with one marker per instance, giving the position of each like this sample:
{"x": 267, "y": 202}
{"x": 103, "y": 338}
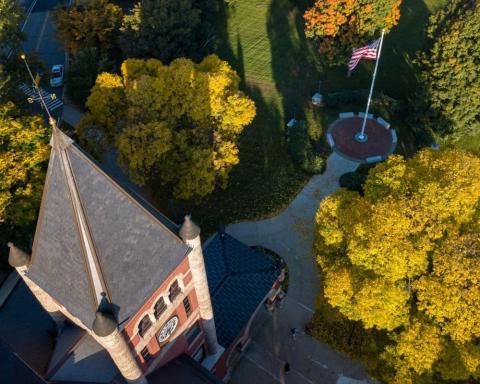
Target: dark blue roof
{"x": 239, "y": 278}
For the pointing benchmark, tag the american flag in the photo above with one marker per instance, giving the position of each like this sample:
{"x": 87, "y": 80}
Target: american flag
{"x": 367, "y": 52}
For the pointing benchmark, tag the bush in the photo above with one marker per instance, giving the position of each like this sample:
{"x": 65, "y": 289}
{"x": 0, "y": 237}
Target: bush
{"x": 302, "y": 151}
{"x": 353, "y": 181}
{"x": 314, "y": 128}
{"x": 333, "y": 100}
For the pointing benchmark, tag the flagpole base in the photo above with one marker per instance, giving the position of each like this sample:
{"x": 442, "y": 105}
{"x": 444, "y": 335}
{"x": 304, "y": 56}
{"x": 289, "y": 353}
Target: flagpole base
{"x": 361, "y": 138}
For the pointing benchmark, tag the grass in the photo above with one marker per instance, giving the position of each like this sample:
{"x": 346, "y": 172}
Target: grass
{"x": 264, "y": 41}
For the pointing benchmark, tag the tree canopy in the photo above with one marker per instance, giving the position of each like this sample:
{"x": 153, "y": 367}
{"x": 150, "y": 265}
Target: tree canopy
{"x": 90, "y": 23}
{"x": 448, "y": 99}
{"x": 404, "y": 258}
{"x": 11, "y": 36}
{"x": 178, "y": 124}
{"x": 164, "y": 29}
{"x": 341, "y": 25}
{"x": 23, "y": 152}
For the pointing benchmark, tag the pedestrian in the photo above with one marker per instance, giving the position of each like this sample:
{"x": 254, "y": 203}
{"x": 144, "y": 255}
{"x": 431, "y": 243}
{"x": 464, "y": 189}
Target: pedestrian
{"x": 294, "y": 332}
{"x": 286, "y": 367}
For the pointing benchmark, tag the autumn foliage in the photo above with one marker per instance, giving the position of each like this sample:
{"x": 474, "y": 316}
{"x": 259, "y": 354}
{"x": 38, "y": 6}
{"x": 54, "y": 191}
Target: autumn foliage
{"x": 404, "y": 260}
{"x": 340, "y": 25}
{"x": 178, "y": 124}
{"x": 23, "y": 153}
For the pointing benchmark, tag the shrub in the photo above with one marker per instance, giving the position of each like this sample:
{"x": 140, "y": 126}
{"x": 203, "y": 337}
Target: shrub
{"x": 353, "y": 181}
{"x": 302, "y": 151}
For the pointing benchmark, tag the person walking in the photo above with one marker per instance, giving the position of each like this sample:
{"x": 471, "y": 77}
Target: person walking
{"x": 286, "y": 367}
{"x": 294, "y": 332}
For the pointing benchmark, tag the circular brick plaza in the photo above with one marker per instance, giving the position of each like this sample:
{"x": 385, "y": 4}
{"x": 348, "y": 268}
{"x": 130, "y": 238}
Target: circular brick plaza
{"x": 381, "y": 139}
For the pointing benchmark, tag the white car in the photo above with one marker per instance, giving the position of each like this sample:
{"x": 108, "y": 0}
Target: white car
{"x": 56, "y": 76}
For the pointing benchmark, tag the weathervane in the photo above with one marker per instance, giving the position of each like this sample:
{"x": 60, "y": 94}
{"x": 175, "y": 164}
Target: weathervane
{"x": 40, "y": 97}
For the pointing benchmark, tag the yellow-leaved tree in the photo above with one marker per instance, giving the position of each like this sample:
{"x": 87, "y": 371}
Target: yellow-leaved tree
{"x": 177, "y": 123}
{"x": 23, "y": 152}
{"x": 404, "y": 259}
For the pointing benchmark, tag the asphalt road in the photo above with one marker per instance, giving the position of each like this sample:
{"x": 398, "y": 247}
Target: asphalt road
{"x": 40, "y": 38}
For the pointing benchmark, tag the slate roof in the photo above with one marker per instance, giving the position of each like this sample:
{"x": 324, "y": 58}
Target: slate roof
{"x": 88, "y": 363}
{"x": 183, "y": 370}
{"x": 14, "y": 370}
{"x": 27, "y": 329}
{"x": 239, "y": 278}
{"x": 134, "y": 250}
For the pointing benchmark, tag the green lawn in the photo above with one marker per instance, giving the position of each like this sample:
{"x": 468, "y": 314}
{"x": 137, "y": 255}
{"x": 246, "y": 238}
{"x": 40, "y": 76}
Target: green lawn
{"x": 264, "y": 41}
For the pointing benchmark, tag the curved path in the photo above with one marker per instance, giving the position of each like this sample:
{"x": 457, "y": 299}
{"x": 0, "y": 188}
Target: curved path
{"x": 290, "y": 234}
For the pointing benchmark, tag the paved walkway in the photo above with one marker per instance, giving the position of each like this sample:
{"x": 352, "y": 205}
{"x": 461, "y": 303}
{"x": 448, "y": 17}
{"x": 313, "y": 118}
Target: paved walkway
{"x": 290, "y": 234}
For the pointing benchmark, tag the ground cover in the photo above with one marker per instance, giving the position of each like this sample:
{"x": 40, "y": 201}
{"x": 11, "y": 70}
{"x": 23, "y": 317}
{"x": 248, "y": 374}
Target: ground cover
{"x": 264, "y": 41}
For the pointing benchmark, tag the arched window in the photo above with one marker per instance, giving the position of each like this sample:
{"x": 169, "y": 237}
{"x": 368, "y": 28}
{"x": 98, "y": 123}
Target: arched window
{"x": 144, "y": 325}
{"x": 160, "y": 307}
{"x": 174, "y": 291}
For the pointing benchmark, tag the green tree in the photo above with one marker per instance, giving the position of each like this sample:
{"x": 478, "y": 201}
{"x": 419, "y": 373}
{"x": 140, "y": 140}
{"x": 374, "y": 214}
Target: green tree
{"x": 340, "y": 25}
{"x": 83, "y": 70}
{"x": 11, "y": 36}
{"x": 23, "y": 152}
{"x": 88, "y": 23}
{"x": 179, "y": 124}
{"x": 448, "y": 99}
{"x": 165, "y": 29}
{"x": 404, "y": 258}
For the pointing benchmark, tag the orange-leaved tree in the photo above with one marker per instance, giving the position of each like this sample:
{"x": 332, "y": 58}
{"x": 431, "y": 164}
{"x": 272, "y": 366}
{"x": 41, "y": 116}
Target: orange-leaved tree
{"x": 340, "y": 25}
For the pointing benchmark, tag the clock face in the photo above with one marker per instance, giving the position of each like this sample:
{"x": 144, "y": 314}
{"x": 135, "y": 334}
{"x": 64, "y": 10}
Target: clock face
{"x": 168, "y": 329}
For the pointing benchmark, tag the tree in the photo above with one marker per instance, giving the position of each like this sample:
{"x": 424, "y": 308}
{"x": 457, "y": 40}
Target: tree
{"x": 165, "y": 29}
{"x": 10, "y": 19}
{"x": 404, "y": 258}
{"x": 90, "y": 23}
{"x": 340, "y": 25}
{"x": 448, "y": 99}
{"x": 83, "y": 71}
{"x": 23, "y": 152}
{"x": 10, "y": 39}
{"x": 179, "y": 124}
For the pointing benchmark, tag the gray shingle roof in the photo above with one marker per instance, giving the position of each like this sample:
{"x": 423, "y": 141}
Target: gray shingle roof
{"x": 27, "y": 329}
{"x": 134, "y": 250}
{"x": 58, "y": 264}
{"x": 239, "y": 278}
{"x": 88, "y": 362}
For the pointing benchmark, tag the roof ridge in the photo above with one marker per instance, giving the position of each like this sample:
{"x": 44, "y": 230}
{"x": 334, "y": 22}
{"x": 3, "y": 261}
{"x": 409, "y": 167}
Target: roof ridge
{"x": 87, "y": 238}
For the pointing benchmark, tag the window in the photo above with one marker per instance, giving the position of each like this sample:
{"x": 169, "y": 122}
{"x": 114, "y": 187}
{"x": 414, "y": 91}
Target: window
{"x": 144, "y": 325}
{"x": 160, "y": 307}
{"x": 187, "y": 306}
{"x": 174, "y": 291}
{"x": 199, "y": 355}
{"x": 193, "y": 333}
{"x": 146, "y": 354}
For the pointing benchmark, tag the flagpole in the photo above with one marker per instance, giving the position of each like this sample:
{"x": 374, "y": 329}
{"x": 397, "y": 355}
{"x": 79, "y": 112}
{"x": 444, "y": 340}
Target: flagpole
{"x": 361, "y": 135}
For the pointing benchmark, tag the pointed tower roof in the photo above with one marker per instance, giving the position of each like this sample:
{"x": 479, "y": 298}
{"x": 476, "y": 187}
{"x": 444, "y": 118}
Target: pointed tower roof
{"x": 94, "y": 240}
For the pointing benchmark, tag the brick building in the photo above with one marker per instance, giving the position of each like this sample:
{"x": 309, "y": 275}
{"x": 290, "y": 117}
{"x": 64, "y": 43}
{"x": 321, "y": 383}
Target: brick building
{"x": 133, "y": 297}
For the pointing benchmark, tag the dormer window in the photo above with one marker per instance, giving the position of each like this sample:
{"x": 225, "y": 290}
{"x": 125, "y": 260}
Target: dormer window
{"x": 160, "y": 307}
{"x": 174, "y": 291}
{"x": 144, "y": 325}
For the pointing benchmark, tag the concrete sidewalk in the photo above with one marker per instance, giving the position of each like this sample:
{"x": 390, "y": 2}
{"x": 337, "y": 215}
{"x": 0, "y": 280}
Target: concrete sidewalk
{"x": 290, "y": 235}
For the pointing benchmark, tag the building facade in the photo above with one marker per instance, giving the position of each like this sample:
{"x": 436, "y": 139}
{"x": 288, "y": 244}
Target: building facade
{"x": 116, "y": 276}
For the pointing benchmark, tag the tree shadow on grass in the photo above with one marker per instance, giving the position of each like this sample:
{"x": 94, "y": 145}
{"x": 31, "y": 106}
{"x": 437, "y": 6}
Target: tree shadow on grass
{"x": 265, "y": 180}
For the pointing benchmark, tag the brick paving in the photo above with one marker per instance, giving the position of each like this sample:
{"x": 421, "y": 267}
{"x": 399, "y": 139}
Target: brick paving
{"x": 379, "y": 141}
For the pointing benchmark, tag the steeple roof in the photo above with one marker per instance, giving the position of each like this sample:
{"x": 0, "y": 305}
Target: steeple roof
{"x": 95, "y": 240}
